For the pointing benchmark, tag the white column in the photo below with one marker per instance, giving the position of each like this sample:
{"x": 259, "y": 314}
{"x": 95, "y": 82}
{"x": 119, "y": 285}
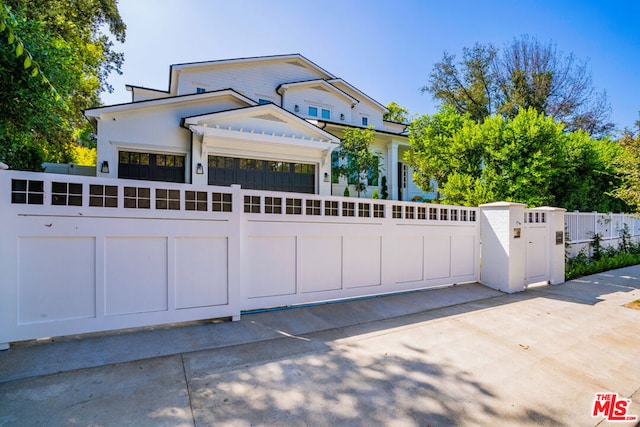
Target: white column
{"x": 199, "y": 157}
{"x": 236, "y": 247}
{"x": 392, "y": 170}
{"x": 555, "y": 220}
{"x": 503, "y": 248}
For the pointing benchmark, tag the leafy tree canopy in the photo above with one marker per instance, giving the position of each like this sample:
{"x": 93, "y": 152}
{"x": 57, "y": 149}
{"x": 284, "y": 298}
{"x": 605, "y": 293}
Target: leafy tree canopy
{"x": 359, "y": 162}
{"x": 524, "y": 74}
{"x": 55, "y": 59}
{"x": 628, "y": 165}
{"x": 437, "y": 146}
{"x": 529, "y": 158}
{"x": 396, "y": 113}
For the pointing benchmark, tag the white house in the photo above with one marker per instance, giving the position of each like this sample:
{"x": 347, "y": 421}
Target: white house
{"x": 268, "y": 123}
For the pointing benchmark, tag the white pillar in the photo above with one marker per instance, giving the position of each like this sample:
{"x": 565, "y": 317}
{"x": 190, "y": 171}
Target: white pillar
{"x": 199, "y": 157}
{"x": 503, "y": 248}
{"x": 392, "y": 175}
{"x": 555, "y": 220}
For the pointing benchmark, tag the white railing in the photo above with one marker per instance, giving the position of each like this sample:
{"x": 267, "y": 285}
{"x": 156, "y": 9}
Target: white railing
{"x": 80, "y": 195}
{"x": 582, "y": 226}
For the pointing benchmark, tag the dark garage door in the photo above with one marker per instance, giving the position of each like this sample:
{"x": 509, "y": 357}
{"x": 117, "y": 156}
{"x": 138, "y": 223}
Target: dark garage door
{"x": 151, "y": 166}
{"x": 262, "y": 174}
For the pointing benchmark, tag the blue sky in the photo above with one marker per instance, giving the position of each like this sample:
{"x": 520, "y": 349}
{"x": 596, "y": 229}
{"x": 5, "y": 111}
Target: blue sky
{"x": 386, "y": 49}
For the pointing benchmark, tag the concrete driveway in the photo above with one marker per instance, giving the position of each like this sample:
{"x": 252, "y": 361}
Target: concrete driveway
{"x": 460, "y": 356}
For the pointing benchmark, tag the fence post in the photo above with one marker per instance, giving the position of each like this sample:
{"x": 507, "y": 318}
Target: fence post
{"x": 236, "y": 247}
{"x": 556, "y": 224}
{"x": 502, "y": 248}
{"x": 3, "y": 345}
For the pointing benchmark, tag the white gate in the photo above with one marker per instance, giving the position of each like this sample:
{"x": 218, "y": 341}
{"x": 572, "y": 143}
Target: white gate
{"x": 536, "y": 235}
{"x": 84, "y": 254}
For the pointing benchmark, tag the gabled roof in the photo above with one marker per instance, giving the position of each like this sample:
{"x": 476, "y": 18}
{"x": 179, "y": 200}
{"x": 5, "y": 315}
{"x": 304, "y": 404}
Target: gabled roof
{"x": 320, "y": 84}
{"x": 96, "y": 112}
{"x": 130, "y": 88}
{"x": 359, "y": 92}
{"x": 294, "y": 59}
{"x": 298, "y": 128}
{"x": 152, "y": 93}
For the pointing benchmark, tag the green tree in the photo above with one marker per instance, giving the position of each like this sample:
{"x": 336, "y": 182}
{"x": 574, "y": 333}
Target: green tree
{"x": 524, "y": 74}
{"x": 628, "y": 167}
{"x": 588, "y": 176}
{"x": 470, "y": 85}
{"x": 396, "y": 113}
{"x": 522, "y": 157}
{"x": 359, "y": 163}
{"x": 55, "y": 61}
{"x": 439, "y": 147}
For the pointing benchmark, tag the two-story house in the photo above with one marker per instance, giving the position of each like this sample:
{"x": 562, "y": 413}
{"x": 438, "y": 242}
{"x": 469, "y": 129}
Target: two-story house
{"x": 267, "y": 123}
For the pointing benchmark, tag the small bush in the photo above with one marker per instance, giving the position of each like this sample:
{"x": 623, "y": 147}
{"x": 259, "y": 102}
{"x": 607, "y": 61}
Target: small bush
{"x": 346, "y": 191}
{"x": 603, "y": 259}
{"x": 385, "y": 190}
{"x": 375, "y": 194}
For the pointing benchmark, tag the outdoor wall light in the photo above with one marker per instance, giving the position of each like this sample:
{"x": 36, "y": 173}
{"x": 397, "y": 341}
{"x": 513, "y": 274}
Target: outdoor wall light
{"x": 326, "y": 177}
{"x": 296, "y": 108}
{"x": 341, "y": 116}
{"x": 104, "y": 168}
{"x": 199, "y": 169}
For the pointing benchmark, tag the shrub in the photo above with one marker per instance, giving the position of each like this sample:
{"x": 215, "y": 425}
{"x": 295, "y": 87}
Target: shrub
{"x": 385, "y": 190}
{"x": 603, "y": 259}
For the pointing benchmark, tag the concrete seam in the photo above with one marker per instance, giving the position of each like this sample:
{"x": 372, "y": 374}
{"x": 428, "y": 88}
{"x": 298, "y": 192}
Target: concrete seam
{"x": 186, "y": 382}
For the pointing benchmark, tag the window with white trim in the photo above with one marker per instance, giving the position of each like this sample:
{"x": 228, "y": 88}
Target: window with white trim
{"x": 323, "y": 113}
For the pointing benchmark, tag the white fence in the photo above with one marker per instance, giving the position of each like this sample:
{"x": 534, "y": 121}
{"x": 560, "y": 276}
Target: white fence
{"x": 82, "y": 254}
{"x": 582, "y": 226}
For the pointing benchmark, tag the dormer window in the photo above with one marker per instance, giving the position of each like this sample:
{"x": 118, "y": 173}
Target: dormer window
{"x": 313, "y": 111}
{"x": 200, "y": 90}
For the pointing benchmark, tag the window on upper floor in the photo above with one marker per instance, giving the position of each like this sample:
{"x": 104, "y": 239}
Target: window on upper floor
{"x": 264, "y": 101}
{"x": 200, "y": 90}
{"x": 325, "y": 113}
{"x": 365, "y": 121}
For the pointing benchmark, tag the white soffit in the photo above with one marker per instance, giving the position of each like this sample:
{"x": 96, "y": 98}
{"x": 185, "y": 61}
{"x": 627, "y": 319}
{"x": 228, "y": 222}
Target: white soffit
{"x": 321, "y": 85}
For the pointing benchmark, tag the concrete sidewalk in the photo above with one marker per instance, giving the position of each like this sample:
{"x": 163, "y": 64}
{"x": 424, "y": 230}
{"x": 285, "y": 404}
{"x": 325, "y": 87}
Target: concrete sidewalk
{"x": 465, "y": 355}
